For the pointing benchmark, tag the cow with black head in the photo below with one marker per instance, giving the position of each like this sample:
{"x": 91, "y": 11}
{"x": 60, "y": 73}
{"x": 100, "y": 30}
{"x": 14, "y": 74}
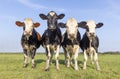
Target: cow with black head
{"x": 90, "y": 42}
{"x": 51, "y": 38}
{"x": 30, "y": 40}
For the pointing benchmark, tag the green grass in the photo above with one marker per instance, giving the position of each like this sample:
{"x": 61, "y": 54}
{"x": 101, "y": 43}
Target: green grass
{"x": 11, "y": 68}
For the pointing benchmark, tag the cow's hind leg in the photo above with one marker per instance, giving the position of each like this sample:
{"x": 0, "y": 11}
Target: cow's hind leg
{"x": 52, "y": 52}
{"x": 91, "y": 57}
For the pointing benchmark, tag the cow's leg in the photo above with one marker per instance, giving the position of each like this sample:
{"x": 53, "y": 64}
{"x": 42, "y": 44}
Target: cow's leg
{"x": 65, "y": 54}
{"x": 91, "y": 57}
{"x": 33, "y": 52}
{"x": 68, "y": 59}
{"x": 96, "y": 60}
{"x": 52, "y": 52}
{"x": 76, "y": 49}
{"x": 85, "y": 59}
{"x": 57, "y": 56}
{"x": 71, "y": 58}
{"x": 48, "y": 58}
{"x": 25, "y": 58}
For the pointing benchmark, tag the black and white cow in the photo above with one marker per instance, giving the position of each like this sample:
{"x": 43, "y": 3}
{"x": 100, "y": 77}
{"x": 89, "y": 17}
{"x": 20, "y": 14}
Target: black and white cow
{"x": 71, "y": 41}
{"x": 30, "y": 40}
{"x": 51, "y": 38}
{"x": 90, "y": 42}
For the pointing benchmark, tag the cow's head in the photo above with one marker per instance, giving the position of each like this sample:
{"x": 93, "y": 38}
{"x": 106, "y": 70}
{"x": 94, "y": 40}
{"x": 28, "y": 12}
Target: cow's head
{"x": 71, "y": 28}
{"x": 51, "y": 18}
{"x": 90, "y": 27}
{"x": 28, "y": 26}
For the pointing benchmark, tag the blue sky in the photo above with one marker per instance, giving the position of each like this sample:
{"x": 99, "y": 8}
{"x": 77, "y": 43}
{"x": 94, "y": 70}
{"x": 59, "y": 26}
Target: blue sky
{"x": 106, "y": 11}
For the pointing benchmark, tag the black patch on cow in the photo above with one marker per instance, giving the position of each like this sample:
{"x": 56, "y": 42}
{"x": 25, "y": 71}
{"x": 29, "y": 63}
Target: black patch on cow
{"x": 84, "y": 44}
{"x": 67, "y": 41}
{"x": 52, "y": 37}
{"x": 32, "y": 40}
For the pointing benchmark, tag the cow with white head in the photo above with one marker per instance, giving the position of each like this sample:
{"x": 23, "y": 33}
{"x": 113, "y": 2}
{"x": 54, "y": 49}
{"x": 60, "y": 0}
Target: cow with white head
{"x": 30, "y": 40}
{"x": 90, "y": 42}
{"x": 71, "y": 41}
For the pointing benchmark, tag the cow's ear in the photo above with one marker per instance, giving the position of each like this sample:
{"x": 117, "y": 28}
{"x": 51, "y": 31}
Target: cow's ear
{"x": 20, "y": 24}
{"x": 61, "y": 16}
{"x": 82, "y": 24}
{"x": 36, "y": 24}
{"x": 43, "y": 16}
{"x": 62, "y": 25}
{"x": 99, "y": 25}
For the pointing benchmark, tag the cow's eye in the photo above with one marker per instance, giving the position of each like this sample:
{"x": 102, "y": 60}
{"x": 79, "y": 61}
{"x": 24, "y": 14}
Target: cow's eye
{"x": 23, "y": 27}
{"x": 87, "y": 29}
{"x": 66, "y": 26}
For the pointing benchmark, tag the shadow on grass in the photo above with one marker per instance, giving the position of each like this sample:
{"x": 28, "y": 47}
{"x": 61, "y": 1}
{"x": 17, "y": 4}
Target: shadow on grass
{"x": 38, "y": 61}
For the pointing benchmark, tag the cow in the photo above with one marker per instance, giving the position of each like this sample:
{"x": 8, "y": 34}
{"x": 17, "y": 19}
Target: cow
{"x": 51, "y": 38}
{"x": 90, "y": 42}
{"x": 71, "y": 41}
{"x": 30, "y": 40}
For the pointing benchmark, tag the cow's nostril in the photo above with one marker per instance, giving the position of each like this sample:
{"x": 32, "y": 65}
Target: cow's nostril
{"x": 72, "y": 35}
{"x": 27, "y": 32}
{"x": 92, "y": 34}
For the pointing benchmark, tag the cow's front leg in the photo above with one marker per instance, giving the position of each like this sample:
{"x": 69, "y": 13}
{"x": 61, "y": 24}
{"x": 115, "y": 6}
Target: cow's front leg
{"x": 52, "y": 52}
{"x": 85, "y": 59}
{"x": 68, "y": 59}
{"x": 76, "y": 48}
{"x": 91, "y": 57}
{"x": 96, "y": 60}
{"x": 65, "y": 54}
{"x": 33, "y": 52}
{"x": 25, "y": 58}
{"x": 48, "y": 58}
{"x": 57, "y": 57}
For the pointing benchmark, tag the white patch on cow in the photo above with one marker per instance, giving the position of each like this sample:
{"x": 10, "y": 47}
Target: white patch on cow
{"x": 72, "y": 27}
{"x": 56, "y": 56}
{"x": 91, "y": 25}
{"x": 69, "y": 50}
{"x": 52, "y": 13}
{"x": 93, "y": 54}
{"x": 50, "y": 50}
{"x": 25, "y": 60}
{"x": 28, "y": 26}
{"x": 85, "y": 59}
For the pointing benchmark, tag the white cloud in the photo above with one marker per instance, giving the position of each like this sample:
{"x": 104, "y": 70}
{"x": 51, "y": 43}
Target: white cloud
{"x": 7, "y": 18}
{"x": 30, "y": 4}
{"x": 113, "y": 9}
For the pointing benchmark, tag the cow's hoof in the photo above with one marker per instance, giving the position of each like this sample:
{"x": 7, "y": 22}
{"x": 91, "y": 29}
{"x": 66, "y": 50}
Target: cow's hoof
{"x": 47, "y": 69}
{"x": 98, "y": 69}
{"x": 57, "y": 68}
{"x": 84, "y": 67}
{"x": 25, "y": 65}
{"x": 68, "y": 65}
{"x": 76, "y": 69}
{"x": 33, "y": 66}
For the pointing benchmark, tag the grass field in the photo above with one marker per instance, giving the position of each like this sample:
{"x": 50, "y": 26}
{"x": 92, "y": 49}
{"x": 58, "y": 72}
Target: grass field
{"x": 11, "y": 68}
